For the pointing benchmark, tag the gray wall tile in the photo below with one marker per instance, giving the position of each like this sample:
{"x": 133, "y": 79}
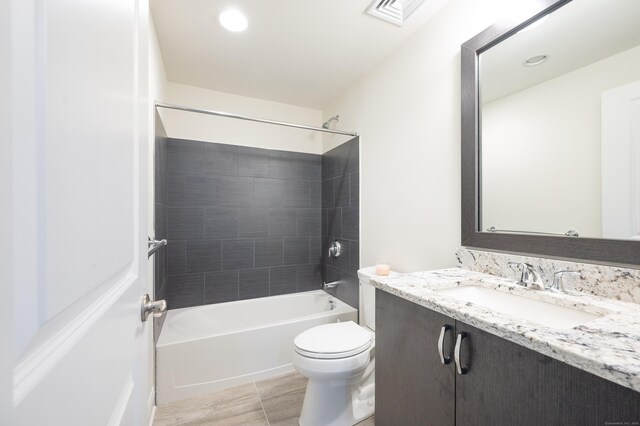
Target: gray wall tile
{"x": 185, "y": 157}
{"x": 283, "y": 279}
{"x": 254, "y": 283}
{"x": 281, "y": 193}
{"x": 221, "y": 223}
{"x": 342, "y": 191}
{"x": 185, "y": 223}
{"x": 355, "y": 255}
{"x": 268, "y": 252}
{"x": 309, "y": 222}
{"x": 253, "y": 223}
{"x": 221, "y": 159}
{"x": 315, "y": 250}
{"x": 295, "y": 165}
{"x": 175, "y": 189}
{"x": 334, "y": 223}
{"x": 236, "y": 192}
{"x": 315, "y": 194}
{"x": 184, "y": 290}
{"x": 204, "y": 256}
{"x": 354, "y": 189}
{"x": 229, "y": 209}
{"x": 254, "y": 162}
{"x": 176, "y": 257}
{"x": 237, "y": 254}
{"x": 202, "y": 191}
{"x": 282, "y": 222}
{"x": 325, "y": 222}
{"x": 340, "y": 218}
{"x": 351, "y": 223}
{"x": 309, "y": 277}
{"x": 221, "y": 286}
{"x": 328, "y": 194}
{"x": 296, "y": 250}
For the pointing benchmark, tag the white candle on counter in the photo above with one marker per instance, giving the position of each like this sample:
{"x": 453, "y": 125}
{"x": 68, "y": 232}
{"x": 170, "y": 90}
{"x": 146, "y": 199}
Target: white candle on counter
{"x": 382, "y": 269}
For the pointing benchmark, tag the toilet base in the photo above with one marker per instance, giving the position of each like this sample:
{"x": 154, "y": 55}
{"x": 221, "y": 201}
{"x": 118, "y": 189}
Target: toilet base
{"x": 339, "y": 402}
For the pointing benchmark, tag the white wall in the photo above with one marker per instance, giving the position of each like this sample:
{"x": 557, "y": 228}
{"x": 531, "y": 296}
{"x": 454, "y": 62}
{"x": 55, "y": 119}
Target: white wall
{"x": 407, "y": 111}
{"x": 208, "y": 128}
{"x": 541, "y": 150}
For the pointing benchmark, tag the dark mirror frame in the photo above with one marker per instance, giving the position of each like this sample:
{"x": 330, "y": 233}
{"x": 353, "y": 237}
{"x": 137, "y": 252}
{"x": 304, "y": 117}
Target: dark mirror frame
{"x": 584, "y": 249}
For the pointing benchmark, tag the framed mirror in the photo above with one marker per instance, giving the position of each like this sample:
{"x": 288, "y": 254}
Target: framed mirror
{"x": 551, "y": 132}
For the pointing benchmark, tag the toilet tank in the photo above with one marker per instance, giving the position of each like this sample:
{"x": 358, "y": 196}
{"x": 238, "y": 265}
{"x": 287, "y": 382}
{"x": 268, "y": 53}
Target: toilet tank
{"x": 368, "y": 297}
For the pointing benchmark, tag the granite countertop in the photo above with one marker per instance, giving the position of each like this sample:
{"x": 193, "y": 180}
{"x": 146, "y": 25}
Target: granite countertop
{"x": 608, "y": 346}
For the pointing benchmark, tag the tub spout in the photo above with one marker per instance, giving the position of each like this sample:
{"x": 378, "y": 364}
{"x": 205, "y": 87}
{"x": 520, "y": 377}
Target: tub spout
{"x": 332, "y": 284}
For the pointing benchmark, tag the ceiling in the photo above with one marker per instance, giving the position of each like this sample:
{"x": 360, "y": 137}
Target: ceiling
{"x": 576, "y": 35}
{"x": 301, "y": 52}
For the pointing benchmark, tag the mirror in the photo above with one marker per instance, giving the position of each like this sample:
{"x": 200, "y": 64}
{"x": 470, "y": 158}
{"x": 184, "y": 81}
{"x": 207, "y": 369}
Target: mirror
{"x": 559, "y": 124}
{"x": 554, "y": 146}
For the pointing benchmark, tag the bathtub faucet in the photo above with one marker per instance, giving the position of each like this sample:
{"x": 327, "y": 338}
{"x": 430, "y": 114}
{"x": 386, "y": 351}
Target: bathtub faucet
{"x": 332, "y": 284}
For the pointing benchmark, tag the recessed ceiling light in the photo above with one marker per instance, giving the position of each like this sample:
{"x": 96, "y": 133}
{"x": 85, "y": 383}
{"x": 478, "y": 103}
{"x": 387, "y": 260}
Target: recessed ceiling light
{"x": 535, "y": 60}
{"x": 233, "y": 20}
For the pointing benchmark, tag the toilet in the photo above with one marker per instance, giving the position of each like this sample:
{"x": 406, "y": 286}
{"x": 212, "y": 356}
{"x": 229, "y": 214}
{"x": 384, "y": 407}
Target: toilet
{"x": 338, "y": 359}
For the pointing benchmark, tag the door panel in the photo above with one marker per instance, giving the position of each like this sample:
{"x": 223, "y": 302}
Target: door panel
{"x": 621, "y": 162}
{"x": 412, "y": 386}
{"x": 508, "y": 384}
{"x": 78, "y": 152}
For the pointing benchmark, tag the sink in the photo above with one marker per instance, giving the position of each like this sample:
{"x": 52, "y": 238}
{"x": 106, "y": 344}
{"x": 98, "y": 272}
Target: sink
{"x": 537, "y": 311}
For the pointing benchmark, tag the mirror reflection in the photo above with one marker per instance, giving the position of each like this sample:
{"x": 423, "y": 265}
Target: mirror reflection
{"x": 560, "y": 124}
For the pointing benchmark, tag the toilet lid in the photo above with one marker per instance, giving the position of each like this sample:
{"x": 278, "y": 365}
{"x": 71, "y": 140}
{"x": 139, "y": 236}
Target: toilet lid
{"x": 337, "y": 340}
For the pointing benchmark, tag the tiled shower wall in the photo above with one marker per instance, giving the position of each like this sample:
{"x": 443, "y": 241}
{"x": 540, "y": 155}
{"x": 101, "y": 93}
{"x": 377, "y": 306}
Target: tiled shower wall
{"x": 240, "y": 222}
{"x": 341, "y": 218}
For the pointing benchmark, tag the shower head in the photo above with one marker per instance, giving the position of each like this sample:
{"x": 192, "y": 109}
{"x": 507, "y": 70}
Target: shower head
{"x": 326, "y": 124}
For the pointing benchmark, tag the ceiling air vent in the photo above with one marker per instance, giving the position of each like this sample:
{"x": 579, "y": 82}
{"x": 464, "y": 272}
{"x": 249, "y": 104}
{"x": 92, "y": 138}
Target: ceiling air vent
{"x": 394, "y": 11}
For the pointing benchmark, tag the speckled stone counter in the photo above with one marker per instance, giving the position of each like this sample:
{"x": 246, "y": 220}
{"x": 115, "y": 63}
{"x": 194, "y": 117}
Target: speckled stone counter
{"x": 608, "y": 281}
{"x": 608, "y": 346}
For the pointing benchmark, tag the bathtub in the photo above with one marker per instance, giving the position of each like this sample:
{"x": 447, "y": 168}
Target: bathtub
{"x": 209, "y": 348}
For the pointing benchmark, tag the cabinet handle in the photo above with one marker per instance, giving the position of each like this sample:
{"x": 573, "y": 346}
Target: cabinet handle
{"x": 462, "y": 370}
{"x": 443, "y": 332}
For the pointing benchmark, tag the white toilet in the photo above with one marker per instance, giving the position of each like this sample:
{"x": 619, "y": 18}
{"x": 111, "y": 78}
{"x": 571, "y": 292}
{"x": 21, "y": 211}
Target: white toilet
{"x": 339, "y": 361}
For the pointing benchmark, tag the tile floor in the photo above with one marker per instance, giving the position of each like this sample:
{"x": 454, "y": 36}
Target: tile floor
{"x": 275, "y": 401}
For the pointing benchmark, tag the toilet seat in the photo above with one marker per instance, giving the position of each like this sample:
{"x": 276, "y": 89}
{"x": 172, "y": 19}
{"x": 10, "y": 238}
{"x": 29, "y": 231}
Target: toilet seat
{"x": 333, "y": 341}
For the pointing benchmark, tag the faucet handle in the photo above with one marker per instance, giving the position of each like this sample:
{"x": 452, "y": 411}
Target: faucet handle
{"x": 528, "y": 278}
{"x": 558, "y": 284}
{"x": 524, "y": 269}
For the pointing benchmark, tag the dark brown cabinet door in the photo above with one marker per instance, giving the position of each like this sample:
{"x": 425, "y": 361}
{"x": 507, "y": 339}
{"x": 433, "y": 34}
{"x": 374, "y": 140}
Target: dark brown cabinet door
{"x": 413, "y": 387}
{"x": 508, "y": 385}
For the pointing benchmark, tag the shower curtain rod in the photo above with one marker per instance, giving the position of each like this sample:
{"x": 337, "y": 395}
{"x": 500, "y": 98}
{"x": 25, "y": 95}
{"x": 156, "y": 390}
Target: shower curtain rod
{"x": 258, "y": 120}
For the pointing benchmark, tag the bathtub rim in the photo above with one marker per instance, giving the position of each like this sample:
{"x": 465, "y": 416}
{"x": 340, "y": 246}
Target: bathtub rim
{"x": 341, "y": 307}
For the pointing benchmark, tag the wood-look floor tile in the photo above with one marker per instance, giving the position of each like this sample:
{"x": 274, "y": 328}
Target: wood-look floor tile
{"x": 282, "y": 384}
{"x": 200, "y": 407}
{"x": 284, "y": 409}
{"x": 245, "y": 414}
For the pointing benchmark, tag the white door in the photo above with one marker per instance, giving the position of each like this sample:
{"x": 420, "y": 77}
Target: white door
{"x": 621, "y": 162}
{"x": 74, "y": 183}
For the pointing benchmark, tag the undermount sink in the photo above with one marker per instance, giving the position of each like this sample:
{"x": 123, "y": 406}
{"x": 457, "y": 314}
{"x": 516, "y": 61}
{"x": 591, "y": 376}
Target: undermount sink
{"x": 537, "y": 311}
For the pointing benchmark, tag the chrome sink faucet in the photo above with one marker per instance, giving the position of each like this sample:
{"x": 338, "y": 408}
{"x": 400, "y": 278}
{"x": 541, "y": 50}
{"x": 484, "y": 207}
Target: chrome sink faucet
{"x": 528, "y": 276}
{"x": 558, "y": 284}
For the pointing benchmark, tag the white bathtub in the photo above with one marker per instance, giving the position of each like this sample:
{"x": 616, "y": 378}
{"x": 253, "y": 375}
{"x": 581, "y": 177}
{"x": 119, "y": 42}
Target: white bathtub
{"x": 213, "y": 347}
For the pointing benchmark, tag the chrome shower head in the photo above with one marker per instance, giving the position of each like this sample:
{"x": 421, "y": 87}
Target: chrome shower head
{"x": 326, "y": 124}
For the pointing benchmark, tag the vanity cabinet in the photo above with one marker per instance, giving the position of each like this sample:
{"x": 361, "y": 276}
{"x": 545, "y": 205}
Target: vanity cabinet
{"x": 412, "y": 386}
{"x": 506, "y": 384}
